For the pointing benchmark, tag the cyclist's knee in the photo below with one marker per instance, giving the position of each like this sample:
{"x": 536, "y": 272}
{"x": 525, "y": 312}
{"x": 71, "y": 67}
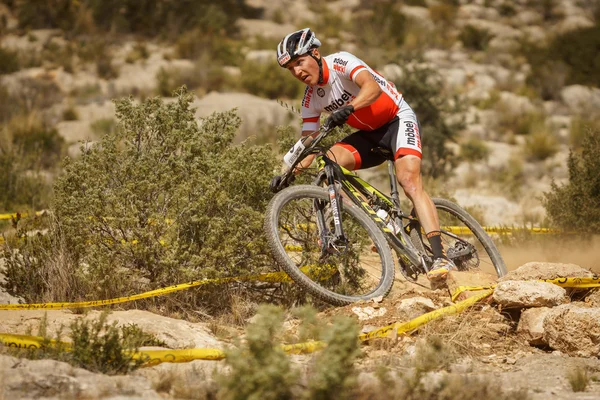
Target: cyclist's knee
{"x": 342, "y": 156}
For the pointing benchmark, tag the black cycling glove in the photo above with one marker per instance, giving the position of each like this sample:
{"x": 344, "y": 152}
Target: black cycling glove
{"x": 278, "y": 183}
{"x": 339, "y": 117}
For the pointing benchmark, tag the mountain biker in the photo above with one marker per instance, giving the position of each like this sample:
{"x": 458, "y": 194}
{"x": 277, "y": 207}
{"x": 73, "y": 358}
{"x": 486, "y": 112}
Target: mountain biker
{"x": 353, "y": 93}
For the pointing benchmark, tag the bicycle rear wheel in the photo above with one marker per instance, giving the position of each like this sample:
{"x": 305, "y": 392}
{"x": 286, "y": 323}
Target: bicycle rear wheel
{"x": 463, "y": 238}
{"x": 338, "y": 273}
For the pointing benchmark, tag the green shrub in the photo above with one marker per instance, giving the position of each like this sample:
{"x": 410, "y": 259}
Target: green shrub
{"x": 474, "y": 38}
{"x": 26, "y": 148}
{"x": 31, "y": 136}
{"x": 161, "y": 200}
{"x": 145, "y": 17}
{"x": 423, "y": 89}
{"x": 9, "y": 61}
{"x": 540, "y": 145}
{"x": 269, "y": 80}
{"x": 138, "y": 52}
{"x": 94, "y": 345}
{"x": 474, "y": 150}
{"x": 579, "y": 126}
{"x": 443, "y": 13}
{"x": 103, "y": 126}
{"x": 70, "y": 114}
{"x": 21, "y": 188}
{"x": 510, "y": 178}
{"x": 333, "y": 374}
{"x": 36, "y": 94}
{"x": 382, "y": 30}
{"x": 579, "y": 50}
{"x": 259, "y": 368}
{"x": 9, "y": 105}
{"x": 575, "y": 206}
{"x": 547, "y": 8}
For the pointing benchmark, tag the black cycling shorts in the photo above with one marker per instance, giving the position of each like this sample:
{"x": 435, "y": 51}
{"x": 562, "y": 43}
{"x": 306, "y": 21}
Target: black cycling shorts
{"x": 401, "y": 136}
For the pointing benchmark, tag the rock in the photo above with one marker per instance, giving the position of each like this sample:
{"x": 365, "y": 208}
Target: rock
{"x": 49, "y": 379}
{"x": 544, "y": 270}
{"x": 515, "y": 105}
{"x": 457, "y": 279}
{"x": 177, "y": 334}
{"x": 6, "y": 298}
{"x": 366, "y": 313}
{"x": 572, "y": 23}
{"x": 261, "y": 56}
{"x": 593, "y": 297}
{"x": 392, "y": 72}
{"x": 257, "y": 114}
{"x": 531, "y": 325}
{"x": 264, "y": 28}
{"x": 581, "y": 99}
{"x": 518, "y": 294}
{"x": 413, "y": 307}
{"x": 498, "y": 210}
{"x": 573, "y": 330}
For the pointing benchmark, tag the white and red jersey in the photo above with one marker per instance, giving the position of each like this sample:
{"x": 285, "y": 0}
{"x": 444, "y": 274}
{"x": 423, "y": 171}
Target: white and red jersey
{"x": 339, "y": 88}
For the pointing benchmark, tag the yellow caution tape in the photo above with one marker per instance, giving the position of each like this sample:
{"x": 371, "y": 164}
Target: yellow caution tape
{"x": 403, "y": 327}
{"x": 586, "y": 282}
{"x": 19, "y": 215}
{"x": 463, "y": 230}
{"x": 152, "y": 357}
{"x": 268, "y": 277}
{"x": 589, "y": 282}
{"x": 462, "y": 289}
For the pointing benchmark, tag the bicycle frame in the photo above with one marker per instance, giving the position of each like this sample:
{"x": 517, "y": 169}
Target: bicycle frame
{"x": 358, "y": 191}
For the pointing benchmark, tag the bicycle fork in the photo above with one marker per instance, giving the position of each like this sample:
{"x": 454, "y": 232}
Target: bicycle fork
{"x": 338, "y": 240}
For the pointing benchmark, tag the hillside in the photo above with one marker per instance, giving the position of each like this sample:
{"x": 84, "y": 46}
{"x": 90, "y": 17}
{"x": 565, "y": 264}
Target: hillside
{"x": 148, "y": 186}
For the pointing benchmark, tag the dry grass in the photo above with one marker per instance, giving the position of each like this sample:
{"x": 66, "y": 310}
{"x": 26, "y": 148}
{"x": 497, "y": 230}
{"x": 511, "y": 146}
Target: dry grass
{"x": 579, "y": 379}
{"x": 475, "y": 332}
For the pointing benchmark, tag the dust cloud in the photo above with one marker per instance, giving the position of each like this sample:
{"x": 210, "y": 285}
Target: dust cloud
{"x": 580, "y": 251}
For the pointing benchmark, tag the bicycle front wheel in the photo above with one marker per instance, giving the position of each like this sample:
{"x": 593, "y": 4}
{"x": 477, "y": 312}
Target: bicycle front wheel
{"x": 299, "y": 225}
{"x": 465, "y": 241}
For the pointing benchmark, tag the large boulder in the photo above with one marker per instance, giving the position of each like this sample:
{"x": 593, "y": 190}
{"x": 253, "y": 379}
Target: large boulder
{"x": 177, "y": 334}
{"x": 531, "y": 325}
{"x": 49, "y": 379}
{"x": 518, "y": 294}
{"x": 545, "y": 270}
{"x": 574, "y": 330}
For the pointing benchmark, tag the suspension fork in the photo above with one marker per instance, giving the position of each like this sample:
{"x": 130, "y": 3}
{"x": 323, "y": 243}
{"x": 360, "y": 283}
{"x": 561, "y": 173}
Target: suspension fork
{"x": 328, "y": 173}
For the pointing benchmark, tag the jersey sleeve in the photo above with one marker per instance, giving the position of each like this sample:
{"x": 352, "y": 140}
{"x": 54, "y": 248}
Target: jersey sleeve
{"x": 310, "y": 116}
{"x": 348, "y": 65}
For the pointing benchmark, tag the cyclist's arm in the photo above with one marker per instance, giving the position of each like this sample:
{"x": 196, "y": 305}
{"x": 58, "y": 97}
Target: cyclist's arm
{"x": 369, "y": 90}
{"x": 305, "y": 163}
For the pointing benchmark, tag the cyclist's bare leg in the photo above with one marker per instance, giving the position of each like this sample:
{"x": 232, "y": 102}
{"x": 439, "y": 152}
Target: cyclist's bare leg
{"x": 408, "y": 172}
{"x": 342, "y": 156}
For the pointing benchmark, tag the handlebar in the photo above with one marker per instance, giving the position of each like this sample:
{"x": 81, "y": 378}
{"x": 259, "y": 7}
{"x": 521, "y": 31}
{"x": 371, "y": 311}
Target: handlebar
{"x": 324, "y": 130}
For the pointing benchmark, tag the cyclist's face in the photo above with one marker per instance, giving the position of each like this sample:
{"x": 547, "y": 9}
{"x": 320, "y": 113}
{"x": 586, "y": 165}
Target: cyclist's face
{"x": 305, "y": 69}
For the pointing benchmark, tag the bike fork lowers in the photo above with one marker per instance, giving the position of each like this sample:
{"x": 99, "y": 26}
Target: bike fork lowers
{"x": 339, "y": 238}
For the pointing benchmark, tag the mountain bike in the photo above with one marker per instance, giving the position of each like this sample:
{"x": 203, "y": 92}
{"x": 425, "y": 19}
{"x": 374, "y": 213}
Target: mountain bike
{"x": 334, "y": 237}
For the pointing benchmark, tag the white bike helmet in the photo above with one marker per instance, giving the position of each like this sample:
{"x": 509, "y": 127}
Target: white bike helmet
{"x": 296, "y": 44}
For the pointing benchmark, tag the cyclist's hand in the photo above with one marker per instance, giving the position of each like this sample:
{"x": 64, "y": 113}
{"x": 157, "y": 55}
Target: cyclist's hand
{"x": 278, "y": 183}
{"x": 339, "y": 117}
